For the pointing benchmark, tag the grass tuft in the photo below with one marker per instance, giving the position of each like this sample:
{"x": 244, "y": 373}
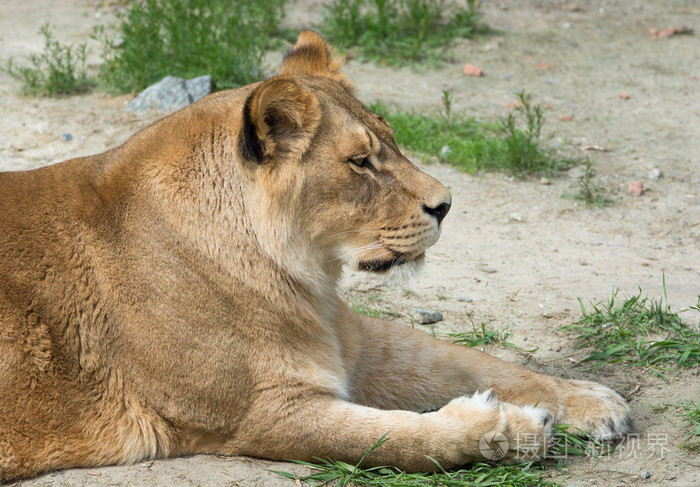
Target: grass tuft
{"x": 471, "y": 145}
{"x": 588, "y": 191}
{"x": 189, "y": 38}
{"x": 691, "y": 416}
{"x": 57, "y": 70}
{"x": 333, "y": 472}
{"x": 396, "y": 31}
{"x": 480, "y": 336}
{"x": 637, "y": 332}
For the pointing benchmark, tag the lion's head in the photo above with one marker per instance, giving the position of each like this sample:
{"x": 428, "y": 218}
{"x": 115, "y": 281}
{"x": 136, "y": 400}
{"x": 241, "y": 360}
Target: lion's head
{"x": 330, "y": 173}
{"x": 308, "y": 172}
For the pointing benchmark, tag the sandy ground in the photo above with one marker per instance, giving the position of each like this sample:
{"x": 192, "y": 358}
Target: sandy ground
{"x": 514, "y": 253}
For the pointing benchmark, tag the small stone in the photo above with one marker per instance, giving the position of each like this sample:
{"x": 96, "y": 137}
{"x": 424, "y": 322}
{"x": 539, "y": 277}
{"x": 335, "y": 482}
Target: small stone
{"x": 515, "y": 217}
{"x": 67, "y": 137}
{"x": 655, "y": 173}
{"x": 471, "y": 70}
{"x": 635, "y": 188}
{"x": 465, "y": 300}
{"x": 486, "y": 269}
{"x": 624, "y": 96}
{"x": 445, "y": 151}
{"x": 545, "y": 181}
{"x": 566, "y": 118}
{"x": 578, "y": 172}
{"x": 672, "y": 31}
{"x": 646, "y": 474}
{"x": 426, "y": 316}
{"x": 118, "y": 41}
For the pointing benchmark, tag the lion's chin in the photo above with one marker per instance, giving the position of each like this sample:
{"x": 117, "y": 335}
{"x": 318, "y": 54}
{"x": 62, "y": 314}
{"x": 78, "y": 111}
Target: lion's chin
{"x": 397, "y": 270}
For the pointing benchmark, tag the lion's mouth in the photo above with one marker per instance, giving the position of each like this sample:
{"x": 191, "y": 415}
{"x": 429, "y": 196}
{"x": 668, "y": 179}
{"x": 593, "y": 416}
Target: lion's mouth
{"x": 383, "y": 265}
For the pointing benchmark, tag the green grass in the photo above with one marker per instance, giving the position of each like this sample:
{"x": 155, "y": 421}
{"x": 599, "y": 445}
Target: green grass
{"x": 535, "y": 474}
{"x": 637, "y": 331}
{"x": 513, "y": 145}
{"x": 329, "y": 472}
{"x": 399, "y": 31}
{"x": 368, "y": 311}
{"x": 588, "y": 191}
{"x": 480, "y": 336}
{"x": 189, "y": 38}
{"x": 691, "y": 417}
{"x": 57, "y": 70}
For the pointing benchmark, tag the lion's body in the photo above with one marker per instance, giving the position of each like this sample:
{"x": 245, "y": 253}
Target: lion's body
{"x": 177, "y": 295}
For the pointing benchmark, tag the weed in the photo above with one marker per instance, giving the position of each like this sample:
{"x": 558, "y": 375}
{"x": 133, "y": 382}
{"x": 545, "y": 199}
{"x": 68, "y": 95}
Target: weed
{"x": 637, "y": 332}
{"x": 408, "y": 292}
{"x": 691, "y": 416}
{"x": 472, "y": 145}
{"x": 658, "y": 408}
{"x": 58, "y": 70}
{"x": 189, "y": 38}
{"x": 368, "y": 311}
{"x": 587, "y": 191}
{"x": 480, "y": 337}
{"x": 523, "y": 147}
{"x": 325, "y": 472}
{"x": 395, "y": 31}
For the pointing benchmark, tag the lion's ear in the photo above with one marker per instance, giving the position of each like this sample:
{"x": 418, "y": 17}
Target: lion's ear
{"x": 279, "y": 120}
{"x": 311, "y": 56}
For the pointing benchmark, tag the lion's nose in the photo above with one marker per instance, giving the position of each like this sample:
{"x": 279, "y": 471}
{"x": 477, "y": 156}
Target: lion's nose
{"x": 439, "y": 211}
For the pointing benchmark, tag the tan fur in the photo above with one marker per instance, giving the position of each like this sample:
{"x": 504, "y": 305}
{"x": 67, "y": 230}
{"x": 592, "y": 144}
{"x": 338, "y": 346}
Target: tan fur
{"x": 177, "y": 295}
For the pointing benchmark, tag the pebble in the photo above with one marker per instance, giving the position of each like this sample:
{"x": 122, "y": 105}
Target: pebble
{"x": 578, "y": 172}
{"x": 118, "y": 40}
{"x": 545, "y": 181}
{"x": 471, "y": 70}
{"x": 655, "y": 173}
{"x": 426, "y": 316}
{"x": 646, "y": 474}
{"x": 465, "y": 300}
{"x": 515, "y": 217}
{"x": 635, "y": 188}
{"x": 67, "y": 137}
{"x": 445, "y": 151}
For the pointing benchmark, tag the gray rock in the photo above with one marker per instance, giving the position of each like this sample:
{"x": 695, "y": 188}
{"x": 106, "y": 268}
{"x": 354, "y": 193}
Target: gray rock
{"x": 578, "y": 172}
{"x": 171, "y": 94}
{"x": 655, "y": 173}
{"x": 646, "y": 474}
{"x": 67, "y": 137}
{"x": 426, "y": 316}
{"x": 118, "y": 41}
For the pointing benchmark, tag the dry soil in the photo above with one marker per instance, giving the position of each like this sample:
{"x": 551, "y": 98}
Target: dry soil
{"x": 513, "y": 253}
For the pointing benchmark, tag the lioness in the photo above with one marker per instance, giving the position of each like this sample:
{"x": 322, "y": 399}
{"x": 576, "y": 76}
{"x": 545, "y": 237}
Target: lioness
{"x": 177, "y": 295}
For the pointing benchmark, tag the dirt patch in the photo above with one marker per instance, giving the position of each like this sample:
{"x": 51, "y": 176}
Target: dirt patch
{"x": 513, "y": 253}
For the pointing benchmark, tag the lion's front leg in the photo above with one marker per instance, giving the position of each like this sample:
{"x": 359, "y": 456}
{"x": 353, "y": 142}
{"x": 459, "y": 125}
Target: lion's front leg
{"x": 322, "y": 426}
{"x": 400, "y": 367}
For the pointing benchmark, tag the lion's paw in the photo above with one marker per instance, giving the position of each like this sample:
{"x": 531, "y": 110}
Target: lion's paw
{"x": 502, "y": 431}
{"x": 595, "y": 410}
{"x": 528, "y": 430}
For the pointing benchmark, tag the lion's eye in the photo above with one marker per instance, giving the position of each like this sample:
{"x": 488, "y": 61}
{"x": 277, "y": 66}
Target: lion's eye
{"x": 361, "y": 161}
